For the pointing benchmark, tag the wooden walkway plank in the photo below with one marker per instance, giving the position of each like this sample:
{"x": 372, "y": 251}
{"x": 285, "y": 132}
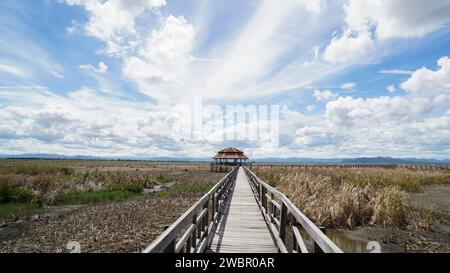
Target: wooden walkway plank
{"x": 242, "y": 227}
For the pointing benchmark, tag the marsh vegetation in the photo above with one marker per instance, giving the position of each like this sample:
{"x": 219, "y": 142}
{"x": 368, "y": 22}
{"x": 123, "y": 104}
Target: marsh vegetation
{"x": 108, "y": 206}
{"x": 348, "y": 197}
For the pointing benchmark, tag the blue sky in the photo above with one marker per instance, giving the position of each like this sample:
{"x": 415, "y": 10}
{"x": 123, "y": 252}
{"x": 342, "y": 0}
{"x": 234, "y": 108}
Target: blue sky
{"x": 351, "y": 78}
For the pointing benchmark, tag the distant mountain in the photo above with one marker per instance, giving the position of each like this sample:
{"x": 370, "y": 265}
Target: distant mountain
{"x": 358, "y": 160}
{"x": 84, "y": 157}
{"x": 290, "y": 160}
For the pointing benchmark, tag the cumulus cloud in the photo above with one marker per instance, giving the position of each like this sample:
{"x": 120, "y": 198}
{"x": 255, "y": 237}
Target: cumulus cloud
{"x": 114, "y": 19}
{"x": 348, "y": 86}
{"x": 397, "y": 19}
{"x": 349, "y": 47}
{"x": 350, "y": 111}
{"x": 314, "y": 136}
{"x": 324, "y": 95}
{"x": 424, "y": 80}
{"x": 310, "y": 107}
{"x": 164, "y": 55}
{"x": 87, "y": 120}
{"x": 370, "y": 21}
{"x": 102, "y": 68}
{"x": 391, "y": 88}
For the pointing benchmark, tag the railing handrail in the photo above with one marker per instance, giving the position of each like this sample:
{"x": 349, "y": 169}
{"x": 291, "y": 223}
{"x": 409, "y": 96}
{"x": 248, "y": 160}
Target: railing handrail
{"x": 166, "y": 242}
{"x": 260, "y": 187}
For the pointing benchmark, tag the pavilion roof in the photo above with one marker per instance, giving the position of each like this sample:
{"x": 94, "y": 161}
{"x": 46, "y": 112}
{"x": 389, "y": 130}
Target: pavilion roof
{"x": 230, "y": 153}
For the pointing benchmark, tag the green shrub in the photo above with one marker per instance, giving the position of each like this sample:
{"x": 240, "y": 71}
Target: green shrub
{"x": 99, "y": 196}
{"x": 67, "y": 170}
{"x": 132, "y": 187}
{"x": 12, "y": 194}
{"x": 163, "y": 179}
{"x": 163, "y": 194}
{"x": 9, "y": 210}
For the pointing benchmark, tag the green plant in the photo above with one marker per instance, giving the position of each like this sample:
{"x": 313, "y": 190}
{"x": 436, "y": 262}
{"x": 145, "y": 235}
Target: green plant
{"x": 14, "y": 194}
{"x": 99, "y": 196}
{"x": 9, "y": 210}
{"x": 133, "y": 187}
{"x": 163, "y": 194}
{"x": 163, "y": 179}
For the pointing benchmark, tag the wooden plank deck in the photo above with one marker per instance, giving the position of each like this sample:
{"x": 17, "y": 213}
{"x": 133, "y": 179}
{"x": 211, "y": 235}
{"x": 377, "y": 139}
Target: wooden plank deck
{"x": 242, "y": 227}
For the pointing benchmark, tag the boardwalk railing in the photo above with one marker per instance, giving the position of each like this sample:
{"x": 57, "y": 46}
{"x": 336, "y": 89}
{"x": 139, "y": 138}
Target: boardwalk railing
{"x": 194, "y": 230}
{"x": 282, "y": 215}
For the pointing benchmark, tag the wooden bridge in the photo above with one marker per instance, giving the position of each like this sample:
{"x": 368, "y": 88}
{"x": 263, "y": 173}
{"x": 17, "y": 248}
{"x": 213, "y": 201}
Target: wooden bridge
{"x": 242, "y": 213}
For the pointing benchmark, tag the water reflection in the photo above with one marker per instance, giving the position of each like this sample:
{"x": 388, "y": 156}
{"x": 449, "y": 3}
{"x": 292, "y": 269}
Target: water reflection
{"x": 345, "y": 243}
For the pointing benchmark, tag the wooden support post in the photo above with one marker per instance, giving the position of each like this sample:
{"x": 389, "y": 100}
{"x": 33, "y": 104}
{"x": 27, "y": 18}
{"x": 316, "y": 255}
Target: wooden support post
{"x": 194, "y": 233}
{"x": 272, "y": 206}
{"x": 213, "y": 203}
{"x": 283, "y": 222}
{"x": 317, "y": 248}
{"x": 188, "y": 244}
{"x": 205, "y": 220}
{"x": 264, "y": 202}
{"x": 171, "y": 247}
{"x": 261, "y": 194}
{"x": 294, "y": 242}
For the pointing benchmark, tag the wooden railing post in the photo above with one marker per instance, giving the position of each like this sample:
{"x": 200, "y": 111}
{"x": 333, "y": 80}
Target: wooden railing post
{"x": 194, "y": 233}
{"x": 264, "y": 200}
{"x": 206, "y": 220}
{"x": 272, "y": 206}
{"x": 261, "y": 194}
{"x": 317, "y": 248}
{"x": 283, "y": 220}
{"x": 171, "y": 247}
{"x": 213, "y": 209}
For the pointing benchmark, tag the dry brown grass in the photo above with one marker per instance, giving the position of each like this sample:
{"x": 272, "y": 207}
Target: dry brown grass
{"x": 51, "y": 181}
{"x": 350, "y": 197}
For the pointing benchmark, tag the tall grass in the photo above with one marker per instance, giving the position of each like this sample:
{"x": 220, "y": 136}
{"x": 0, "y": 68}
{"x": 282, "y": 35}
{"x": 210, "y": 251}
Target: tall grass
{"x": 345, "y": 197}
{"x": 35, "y": 169}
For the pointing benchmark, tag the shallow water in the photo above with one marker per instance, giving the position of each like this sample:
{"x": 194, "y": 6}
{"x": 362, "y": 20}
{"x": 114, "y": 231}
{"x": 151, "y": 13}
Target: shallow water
{"x": 347, "y": 244}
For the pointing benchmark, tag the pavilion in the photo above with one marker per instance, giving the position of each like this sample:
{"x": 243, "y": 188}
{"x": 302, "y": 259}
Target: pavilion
{"x": 226, "y": 158}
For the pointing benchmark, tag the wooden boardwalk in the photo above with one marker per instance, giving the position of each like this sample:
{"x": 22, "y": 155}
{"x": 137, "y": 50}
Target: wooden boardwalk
{"x": 242, "y": 214}
{"x": 242, "y": 227}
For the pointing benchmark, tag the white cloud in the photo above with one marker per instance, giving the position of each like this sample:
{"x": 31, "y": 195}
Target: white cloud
{"x": 314, "y": 6}
{"x": 312, "y": 136}
{"x": 102, "y": 68}
{"x": 12, "y": 69}
{"x": 425, "y": 80}
{"x": 370, "y": 21}
{"x": 114, "y": 19}
{"x": 163, "y": 58}
{"x": 396, "y": 72}
{"x": 324, "y": 95}
{"x": 400, "y": 18}
{"x": 310, "y": 108}
{"x": 391, "y": 88}
{"x": 22, "y": 55}
{"x": 348, "y": 86}
{"x": 349, "y": 48}
{"x": 348, "y": 111}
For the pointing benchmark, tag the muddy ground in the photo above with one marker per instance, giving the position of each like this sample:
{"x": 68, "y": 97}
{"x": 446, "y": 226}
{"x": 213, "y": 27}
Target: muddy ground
{"x": 132, "y": 225}
{"x": 435, "y": 239}
{"x": 127, "y": 226}
{"x": 115, "y": 227}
